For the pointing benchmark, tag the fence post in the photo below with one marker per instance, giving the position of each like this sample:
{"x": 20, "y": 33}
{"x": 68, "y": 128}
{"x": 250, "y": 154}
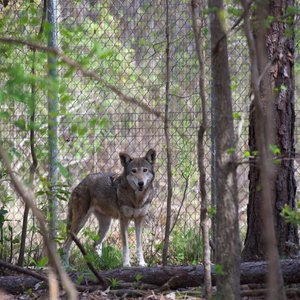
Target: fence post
{"x": 52, "y": 118}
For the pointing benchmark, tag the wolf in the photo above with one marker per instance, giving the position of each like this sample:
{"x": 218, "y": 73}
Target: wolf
{"x": 110, "y": 196}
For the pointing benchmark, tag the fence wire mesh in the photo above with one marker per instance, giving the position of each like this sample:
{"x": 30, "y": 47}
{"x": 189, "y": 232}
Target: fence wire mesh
{"x": 95, "y": 124}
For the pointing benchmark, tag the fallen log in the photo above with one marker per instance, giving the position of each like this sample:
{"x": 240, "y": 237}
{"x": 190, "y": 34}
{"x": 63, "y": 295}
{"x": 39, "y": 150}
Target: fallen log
{"x": 17, "y": 284}
{"x": 172, "y": 277}
{"x": 166, "y": 278}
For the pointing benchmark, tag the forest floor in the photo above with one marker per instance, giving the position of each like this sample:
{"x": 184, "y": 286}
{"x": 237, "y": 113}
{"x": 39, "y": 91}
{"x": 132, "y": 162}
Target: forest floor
{"x": 99, "y": 295}
{"x": 248, "y": 292}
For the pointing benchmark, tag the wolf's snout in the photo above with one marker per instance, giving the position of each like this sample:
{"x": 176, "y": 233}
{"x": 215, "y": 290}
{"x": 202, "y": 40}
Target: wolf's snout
{"x": 141, "y": 184}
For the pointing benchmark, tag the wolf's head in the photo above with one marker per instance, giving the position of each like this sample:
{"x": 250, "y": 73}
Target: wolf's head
{"x": 139, "y": 171}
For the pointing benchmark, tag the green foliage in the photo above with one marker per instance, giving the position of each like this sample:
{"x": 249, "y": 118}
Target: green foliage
{"x": 247, "y": 154}
{"x": 231, "y": 150}
{"x": 219, "y": 270}
{"x": 114, "y": 283}
{"x": 211, "y": 212}
{"x": 62, "y": 190}
{"x": 111, "y": 258}
{"x": 40, "y": 264}
{"x": 3, "y": 212}
{"x": 291, "y": 215}
{"x": 274, "y": 149}
{"x": 237, "y": 116}
{"x": 185, "y": 247}
{"x": 4, "y": 234}
{"x": 138, "y": 277}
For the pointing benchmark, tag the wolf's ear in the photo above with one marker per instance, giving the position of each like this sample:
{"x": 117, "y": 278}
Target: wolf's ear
{"x": 124, "y": 158}
{"x": 150, "y": 156}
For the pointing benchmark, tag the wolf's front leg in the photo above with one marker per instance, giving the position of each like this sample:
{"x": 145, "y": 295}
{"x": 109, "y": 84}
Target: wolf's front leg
{"x": 124, "y": 222}
{"x": 139, "y": 243}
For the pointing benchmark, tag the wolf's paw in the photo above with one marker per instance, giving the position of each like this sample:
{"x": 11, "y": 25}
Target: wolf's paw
{"x": 142, "y": 264}
{"x": 126, "y": 264}
{"x": 99, "y": 250}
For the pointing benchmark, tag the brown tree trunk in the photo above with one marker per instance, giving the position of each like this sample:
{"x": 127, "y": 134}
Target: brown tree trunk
{"x": 227, "y": 228}
{"x": 202, "y": 133}
{"x": 280, "y": 48}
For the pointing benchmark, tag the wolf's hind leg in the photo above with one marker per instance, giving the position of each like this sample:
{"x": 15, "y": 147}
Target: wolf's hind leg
{"x": 78, "y": 216}
{"x": 104, "y": 226}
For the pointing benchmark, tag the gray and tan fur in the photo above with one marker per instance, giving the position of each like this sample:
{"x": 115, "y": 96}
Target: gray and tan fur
{"x": 108, "y": 196}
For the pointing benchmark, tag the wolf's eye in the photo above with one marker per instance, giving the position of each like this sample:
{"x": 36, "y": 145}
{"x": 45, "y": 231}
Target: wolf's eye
{"x": 145, "y": 170}
{"x": 133, "y": 170}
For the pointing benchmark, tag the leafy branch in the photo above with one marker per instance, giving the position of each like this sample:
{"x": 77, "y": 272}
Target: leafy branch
{"x": 84, "y": 72}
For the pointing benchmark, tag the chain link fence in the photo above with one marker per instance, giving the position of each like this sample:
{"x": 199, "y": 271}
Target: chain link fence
{"x": 95, "y": 124}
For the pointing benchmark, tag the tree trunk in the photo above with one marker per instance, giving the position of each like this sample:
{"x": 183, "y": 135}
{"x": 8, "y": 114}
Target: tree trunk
{"x": 281, "y": 49}
{"x": 227, "y": 229}
{"x": 202, "y": 134}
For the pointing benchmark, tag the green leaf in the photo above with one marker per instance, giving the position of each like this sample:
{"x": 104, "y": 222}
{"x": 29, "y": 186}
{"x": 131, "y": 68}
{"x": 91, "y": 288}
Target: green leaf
{"x": 138, "y": 277}
{"x": 103, "y": 122}
{"x": 4, "y": 115}
{"x": 43, "y": 262}
{"x": 105, "y": 53}
{"x": 211, "y": 212}
{"x": 274, "y": 149}
{"x": 230, "y": 150}
{"x": 277, "y": 162}
{"x": 21, "y": 123}
{"x": 82, "y": 131}
{"x": 292, "y": 10}
{"x": 3, "y": 212}
{"x": 291, "y": 215}
{"x": 236, "y": 116}
{"x": 234, "y": 11}
{"x": 93, "y": 122}
{"x": 283, "y": 88}
{"x": 64, "y": 172}
{"x": 247, "y": 154}
{"x": 113, "y": 282}
{"x": 219, "y": 270}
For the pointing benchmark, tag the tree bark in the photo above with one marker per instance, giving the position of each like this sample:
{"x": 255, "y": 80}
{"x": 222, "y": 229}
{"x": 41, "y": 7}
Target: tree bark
{"x": 281, "y": 48}
{"x": 202, "y": 133}
{"x": 192, "y": 276}
{"x": 168, "y": 143}
{"x": 17, "y": 284}
{"x": 227, "y": 228}
{"x": 264, "y": 133}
